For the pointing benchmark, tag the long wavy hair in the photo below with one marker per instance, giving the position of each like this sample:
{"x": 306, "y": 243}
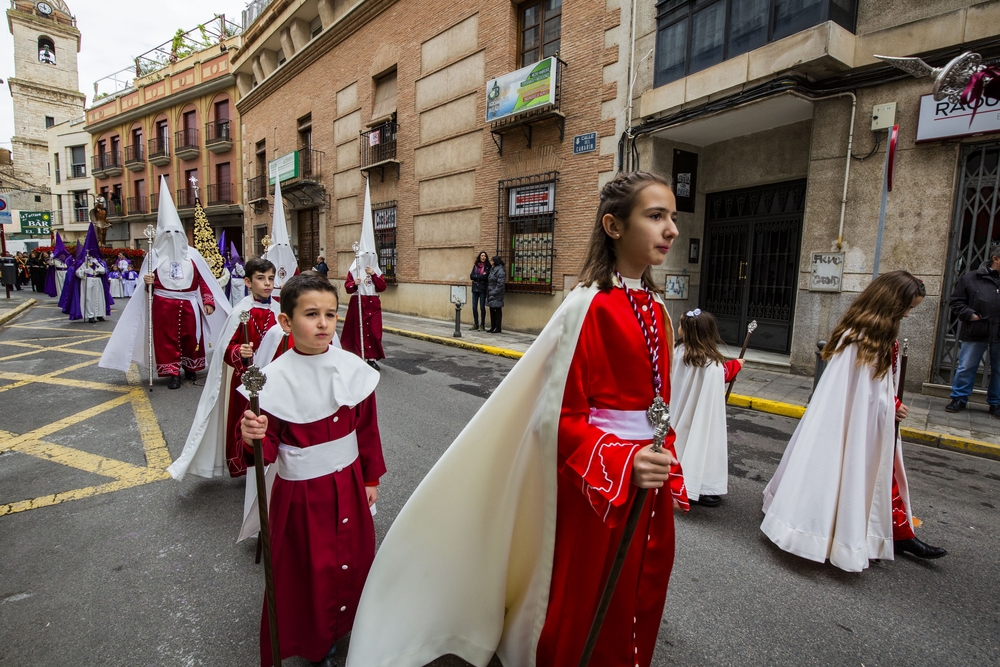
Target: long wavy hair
{"x": 700, "y": 335}
{"x": 872, "y": 321}
{"x": 618, "y": 198}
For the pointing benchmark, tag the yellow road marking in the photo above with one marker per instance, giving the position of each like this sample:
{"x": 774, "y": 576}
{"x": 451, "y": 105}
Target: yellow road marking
{"x": 23, "y": 379}
{"x": 65, "y": 422}
{"x": 65, "y": 347}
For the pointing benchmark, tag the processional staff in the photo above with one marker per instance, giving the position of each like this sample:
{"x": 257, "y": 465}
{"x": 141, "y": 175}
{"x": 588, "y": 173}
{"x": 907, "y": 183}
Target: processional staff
{"x": 254, "y": 380}
{"x": 150, "y": 234}
{"x": 361, "y": 314}
{"x": 746, "y": 341}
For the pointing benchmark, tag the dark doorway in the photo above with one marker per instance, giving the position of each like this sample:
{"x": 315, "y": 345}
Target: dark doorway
{"x": 752, "y": 240}
{"x": 308, "y": 238}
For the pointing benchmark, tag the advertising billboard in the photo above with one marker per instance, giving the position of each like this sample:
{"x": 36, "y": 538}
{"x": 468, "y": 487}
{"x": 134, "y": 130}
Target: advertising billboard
{"x": 522, "y": 90}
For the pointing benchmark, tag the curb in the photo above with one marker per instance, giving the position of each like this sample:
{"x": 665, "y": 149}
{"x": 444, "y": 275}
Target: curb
{"x": 940, "y": 440}
{"x": 11, "y": 314}
{"x": 454, "y": 342}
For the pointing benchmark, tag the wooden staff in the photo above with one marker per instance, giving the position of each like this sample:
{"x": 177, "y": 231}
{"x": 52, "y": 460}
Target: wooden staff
{"x": 150, "y": 233}
{"x": 746, "y": 341}
{"x": 254, "y": 381}
{"x": 659, "y": 416}
{"x": 902, "y": 376}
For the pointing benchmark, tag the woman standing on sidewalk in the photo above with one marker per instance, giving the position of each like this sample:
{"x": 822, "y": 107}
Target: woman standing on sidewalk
{"x": 494, "y": 296}
{"x": 840, "y": 491}
{"x": 480, "y": 277}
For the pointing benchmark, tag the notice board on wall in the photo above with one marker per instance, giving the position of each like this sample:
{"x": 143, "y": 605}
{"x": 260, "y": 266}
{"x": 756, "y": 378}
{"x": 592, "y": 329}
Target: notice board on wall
{"x": 685, "y": 176}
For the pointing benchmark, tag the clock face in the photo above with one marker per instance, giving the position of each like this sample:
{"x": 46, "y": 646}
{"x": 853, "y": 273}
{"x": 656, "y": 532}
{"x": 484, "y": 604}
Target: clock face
{"x": 44, "y": 8}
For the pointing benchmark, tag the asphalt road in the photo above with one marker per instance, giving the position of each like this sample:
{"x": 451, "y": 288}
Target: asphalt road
{"x": 136, "y": 570}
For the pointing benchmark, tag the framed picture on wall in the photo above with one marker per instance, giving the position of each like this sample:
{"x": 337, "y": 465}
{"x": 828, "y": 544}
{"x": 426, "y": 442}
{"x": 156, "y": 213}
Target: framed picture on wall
{"x": 675, "y": 287}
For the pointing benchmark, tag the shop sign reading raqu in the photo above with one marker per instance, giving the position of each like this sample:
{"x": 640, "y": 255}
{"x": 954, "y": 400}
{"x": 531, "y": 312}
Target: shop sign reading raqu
{"x": 948, "y": 120}
{"x": 525, "y": 89}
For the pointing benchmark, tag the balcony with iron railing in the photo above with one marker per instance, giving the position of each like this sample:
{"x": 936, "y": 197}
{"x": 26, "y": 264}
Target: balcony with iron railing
{"x": 186, "y": 143}
{"x": 78, "y": 170}
{"x": 186, "y": 198}
{"x": 159, "y": 151}
{"x": 524, "y": 121}
{"x": 253, "y": 11}
{"x": 154, "y": 202}
{"x": 81, "y": 214}
{"x": 135, "y": 158}
{"x": 217, "y": 136}
{"x": 257, "y": 188}
{"x": 107, "y": 164}
{"x": 220, "y": 194}
{"x": 378, "y": 148}
{"x": 137, "y": 205}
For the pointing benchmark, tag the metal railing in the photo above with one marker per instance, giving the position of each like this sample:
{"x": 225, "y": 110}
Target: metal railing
{"x": 81, "y": 214}
{"x": 159, "y": 147}
{"x": 185, "y": 139}
{"x": 220, "y": 193}
{"x": 154, "y": 202}
{"x": 525, "y": 235}
{"x": 384, "y": 221}
{"x": 106, "y": 160}
{"x": 311, "y": 164}
{"x": 257, "y": 188}
{"x": 136, "y": 205}
{"x": 216, "y": 131}
{"x": 378, "y": 144}
{"x": 185, "y": 198}
{"x": 134, "y": 153}
{"x": 253, "y": 11}
{"x": 78, "y": 170}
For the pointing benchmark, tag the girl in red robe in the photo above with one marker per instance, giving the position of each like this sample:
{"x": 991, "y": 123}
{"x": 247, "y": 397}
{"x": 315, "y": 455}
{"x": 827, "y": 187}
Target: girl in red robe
{"x": 320, "y": 431}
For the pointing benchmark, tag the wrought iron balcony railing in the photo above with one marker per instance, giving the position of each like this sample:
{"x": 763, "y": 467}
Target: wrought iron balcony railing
{"x": 220, "y": 194}
{"x": 378, "y": 145}
{"x": 257, "y": 188}
{"x": 136, "y": 205}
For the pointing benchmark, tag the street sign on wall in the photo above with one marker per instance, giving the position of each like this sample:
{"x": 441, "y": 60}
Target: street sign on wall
{"x": 38, "y": 223}
{"x": 283, "y": 168}
{"x": 585, "y": 143}
{"x": 946, "y": 120}
{"x": 4, "y": 212}
{"x": 528, "y": 88}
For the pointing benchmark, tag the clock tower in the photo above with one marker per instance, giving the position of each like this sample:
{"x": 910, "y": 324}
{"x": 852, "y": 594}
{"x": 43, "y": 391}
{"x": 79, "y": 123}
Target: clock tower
{"x": 46, "y": 84}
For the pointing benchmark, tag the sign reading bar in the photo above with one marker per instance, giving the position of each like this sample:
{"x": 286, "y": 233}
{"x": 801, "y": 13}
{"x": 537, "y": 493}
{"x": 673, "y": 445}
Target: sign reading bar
{"x": 826, "y": 272}
{"x": 35, "y": 222}
{"x": 532, "y": 199}
{"x": 283, "y": 168}
{"x": 585, "y": 143}
{"x": 528, "y": 88}
{"x": 946, "y": 120}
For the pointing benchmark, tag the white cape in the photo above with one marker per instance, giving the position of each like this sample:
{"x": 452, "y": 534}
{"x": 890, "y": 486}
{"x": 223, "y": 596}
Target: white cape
{"x": 204, "y": 451}
{"x": 831, "y": 496}
{"x": 698, "y": 406}
{"x": 466, "y": 566}
{"x": 129, "y": 341}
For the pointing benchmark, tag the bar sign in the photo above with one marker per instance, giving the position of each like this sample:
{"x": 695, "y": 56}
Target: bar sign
{"x": 585, "y": 143}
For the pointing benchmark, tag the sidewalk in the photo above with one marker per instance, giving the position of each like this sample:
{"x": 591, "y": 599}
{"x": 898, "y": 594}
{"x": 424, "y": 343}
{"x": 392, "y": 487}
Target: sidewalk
{"x": 973, "y": 431}
{"x": 17, "y": 303}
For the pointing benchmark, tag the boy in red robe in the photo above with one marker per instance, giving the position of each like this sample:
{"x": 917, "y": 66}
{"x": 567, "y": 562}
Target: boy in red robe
{"x": 319, "y": 429}
{"x": 371, "y": 311}
{"x": 259, "y": 279}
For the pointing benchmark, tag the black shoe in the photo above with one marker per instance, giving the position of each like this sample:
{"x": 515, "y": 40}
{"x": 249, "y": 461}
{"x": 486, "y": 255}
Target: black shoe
{"x": 190, "y": 376}
{"x": 995, "y": 410}
{"x": 371, "y": 362}
{"x": 957, "y": 405}
{"x": 707, "y": 501}
{"x": 175, "y": 382}
{"x": 91, "y": 321}
{"x": 495, "y": 331}
{"x": 100, "y": 319}
{"x": 918, "y": 549}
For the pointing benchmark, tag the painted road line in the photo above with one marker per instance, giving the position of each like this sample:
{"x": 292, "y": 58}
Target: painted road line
{"x": 65, "y": 347}
{"x": 14, "y": 312}
{"x": 454, "y": 342}
{"x": 65, "y": 422}
{"x": 22, "y": 379}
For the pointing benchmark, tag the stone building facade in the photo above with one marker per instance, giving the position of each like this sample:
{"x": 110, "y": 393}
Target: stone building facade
{"x": 45, "y": 85}
{"x": 179, "y": 122}
{"x": 70, "y": 181}
{"x": 752, "y": 113}
{"x": 398, "y": 91}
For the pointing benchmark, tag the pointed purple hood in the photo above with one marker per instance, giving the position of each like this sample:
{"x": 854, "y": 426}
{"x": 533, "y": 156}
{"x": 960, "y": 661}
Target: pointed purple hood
{"x": 59, "y": 251}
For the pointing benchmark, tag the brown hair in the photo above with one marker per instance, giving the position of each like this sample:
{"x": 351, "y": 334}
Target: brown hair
{"x": 872, "y": 321}
{"x": 701, "y": 339}
{"x": 298, "y": 285}
{"x": 257, "y": 265}
{"x": 618, "y": 199}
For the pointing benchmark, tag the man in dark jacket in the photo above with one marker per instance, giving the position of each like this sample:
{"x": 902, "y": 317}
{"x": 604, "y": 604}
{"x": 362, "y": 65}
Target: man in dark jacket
{"x": 976, "y": 302}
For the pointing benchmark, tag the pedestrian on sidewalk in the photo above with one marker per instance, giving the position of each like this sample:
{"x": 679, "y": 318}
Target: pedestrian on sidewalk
{"x": 496, "y": 286}
{"x": 700, "y": 375}
{"x": 321, "y": 268}
{"x": 976, "y": 302}
{"x": 480, "y": 278}
{"x": 506, "y": 544}
{"x": 840, "y": 491}
{"x": 36, "y": 269}
{"x": 319, "y": 428}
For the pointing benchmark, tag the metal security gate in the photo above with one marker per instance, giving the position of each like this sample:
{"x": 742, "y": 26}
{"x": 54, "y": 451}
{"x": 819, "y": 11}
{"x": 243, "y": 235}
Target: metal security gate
{"x": 753, "y": 238}
{"x": 975, "y": 228}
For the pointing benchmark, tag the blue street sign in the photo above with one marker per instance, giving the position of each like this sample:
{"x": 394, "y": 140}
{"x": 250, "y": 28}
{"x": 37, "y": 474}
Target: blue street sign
{"x": 585, "y": 143}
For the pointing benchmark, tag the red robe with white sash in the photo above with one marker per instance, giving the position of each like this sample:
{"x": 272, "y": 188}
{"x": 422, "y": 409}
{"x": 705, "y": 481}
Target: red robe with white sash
{"x": 178, "y": 320}
{"x": 371, "y": 310}
{"x": 610, "y": 371}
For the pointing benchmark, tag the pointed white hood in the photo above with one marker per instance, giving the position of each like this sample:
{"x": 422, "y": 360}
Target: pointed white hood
{"x": 170, "y": 247}
{"x": 280, "y": 253}
{"x": 369, "y": 253}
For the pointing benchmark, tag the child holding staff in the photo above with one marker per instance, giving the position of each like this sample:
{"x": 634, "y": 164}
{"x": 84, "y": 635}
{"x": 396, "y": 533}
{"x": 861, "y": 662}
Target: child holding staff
{"x": 505, "y": 545}
{"x": 700, "y": 375}
{"x": 840, "y": 491}
{"x": 320, "y": 434}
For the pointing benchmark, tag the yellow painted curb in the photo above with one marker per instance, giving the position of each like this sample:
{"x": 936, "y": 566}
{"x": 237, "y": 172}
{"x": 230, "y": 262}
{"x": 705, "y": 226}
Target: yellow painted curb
{"x": 455, "y": 342}
{"x": 8, "y": 316}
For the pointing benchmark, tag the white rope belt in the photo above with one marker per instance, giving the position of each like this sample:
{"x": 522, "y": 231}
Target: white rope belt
{"x": 193, "y": 297}
{"x": 626, "y": 424}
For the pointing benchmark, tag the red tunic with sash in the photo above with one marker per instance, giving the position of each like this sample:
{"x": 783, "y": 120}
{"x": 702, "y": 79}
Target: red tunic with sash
{"x": 901, "y": 527}
{"x": 322, "y": 534}
{"x": 611, "y": 370}
{"x": 371, "y": 309}
{"x": 261, "y": 319}
{"x": 178, "y": 340}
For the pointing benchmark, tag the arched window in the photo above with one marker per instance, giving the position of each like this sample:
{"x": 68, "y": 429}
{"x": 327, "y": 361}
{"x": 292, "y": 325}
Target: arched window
{"x": 46, "y": 51}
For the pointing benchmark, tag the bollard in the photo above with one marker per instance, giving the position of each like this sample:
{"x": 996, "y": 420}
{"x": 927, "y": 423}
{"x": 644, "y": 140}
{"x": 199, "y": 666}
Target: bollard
{"x": 458, "y": 320}
{"x": 458, "y": 297}
{"x": 820, "y": 367}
